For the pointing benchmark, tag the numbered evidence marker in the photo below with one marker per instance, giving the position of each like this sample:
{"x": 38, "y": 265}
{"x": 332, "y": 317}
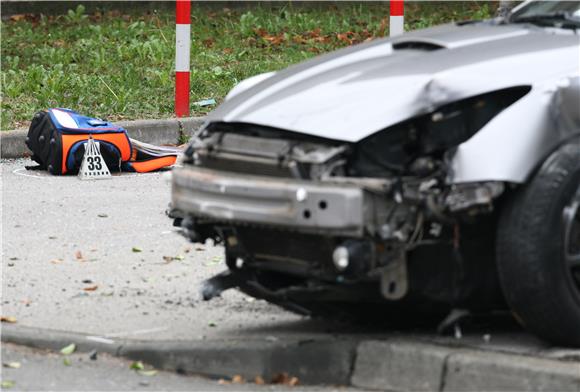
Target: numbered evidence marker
{"x": 93, "y": 166}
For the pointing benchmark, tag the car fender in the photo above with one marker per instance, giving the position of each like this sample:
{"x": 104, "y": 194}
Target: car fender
{"x": 517, "y": 140}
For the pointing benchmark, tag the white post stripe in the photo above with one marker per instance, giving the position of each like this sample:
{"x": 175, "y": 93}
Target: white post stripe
{"x": 396, "y": 25}
{"x": 182, "y": 47}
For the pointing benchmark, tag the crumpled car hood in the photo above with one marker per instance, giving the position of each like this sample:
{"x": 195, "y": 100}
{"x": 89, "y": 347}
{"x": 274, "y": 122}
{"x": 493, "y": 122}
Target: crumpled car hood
{"x": 352, "y": 93}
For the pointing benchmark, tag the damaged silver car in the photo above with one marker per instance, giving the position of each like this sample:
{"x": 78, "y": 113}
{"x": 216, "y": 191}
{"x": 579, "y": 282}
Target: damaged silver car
{"x": 404, "y": 178}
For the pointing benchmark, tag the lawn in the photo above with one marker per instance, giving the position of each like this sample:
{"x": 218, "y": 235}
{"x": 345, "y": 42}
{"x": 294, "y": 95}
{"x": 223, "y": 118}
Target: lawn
{"x": 120, "y": 66}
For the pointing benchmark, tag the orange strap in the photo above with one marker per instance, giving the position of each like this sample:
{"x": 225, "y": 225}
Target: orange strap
{"x": 153, "y": 164}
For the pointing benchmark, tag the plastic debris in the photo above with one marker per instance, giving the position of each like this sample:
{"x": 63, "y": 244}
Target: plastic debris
{"x": 205, "y": 102}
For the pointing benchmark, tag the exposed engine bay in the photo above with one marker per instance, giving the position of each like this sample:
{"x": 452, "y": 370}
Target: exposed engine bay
{"x": 338, "y": 212}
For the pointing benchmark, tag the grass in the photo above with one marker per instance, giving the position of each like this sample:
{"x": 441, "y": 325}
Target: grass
{"x": 120, "y": 66}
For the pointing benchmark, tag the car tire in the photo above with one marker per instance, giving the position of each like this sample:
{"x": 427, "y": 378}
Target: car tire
{"x": 533, "y": 255}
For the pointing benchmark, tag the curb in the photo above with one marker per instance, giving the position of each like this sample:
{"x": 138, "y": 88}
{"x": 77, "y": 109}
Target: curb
{"x": 165, "y": 131}
{"x": 394, "y": 364}
{"x": 311, "y": 361}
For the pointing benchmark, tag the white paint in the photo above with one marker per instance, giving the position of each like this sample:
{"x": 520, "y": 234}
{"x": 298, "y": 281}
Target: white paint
{"x": 182, "y": 47}
{"x": 22, "y": 172}
{"x": 396, "y": 25}
{"x": 65, "y": 119}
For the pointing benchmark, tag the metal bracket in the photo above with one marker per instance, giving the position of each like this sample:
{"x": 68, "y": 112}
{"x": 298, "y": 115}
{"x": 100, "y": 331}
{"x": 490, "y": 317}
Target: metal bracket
{"x": 394, "y": 282}
{"x": 213, "y": 287}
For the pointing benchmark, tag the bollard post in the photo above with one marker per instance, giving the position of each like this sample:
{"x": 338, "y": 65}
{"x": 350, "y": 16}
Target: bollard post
{"x": 182, "y": 50}
{"x": 397, "y": 18}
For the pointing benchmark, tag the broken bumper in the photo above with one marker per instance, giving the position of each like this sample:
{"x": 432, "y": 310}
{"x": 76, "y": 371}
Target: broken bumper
{"x": 299, "y": 205}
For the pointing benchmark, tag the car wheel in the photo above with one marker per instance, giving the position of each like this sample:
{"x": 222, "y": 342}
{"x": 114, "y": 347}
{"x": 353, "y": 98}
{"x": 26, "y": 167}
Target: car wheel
{"x": 538, "y": 249}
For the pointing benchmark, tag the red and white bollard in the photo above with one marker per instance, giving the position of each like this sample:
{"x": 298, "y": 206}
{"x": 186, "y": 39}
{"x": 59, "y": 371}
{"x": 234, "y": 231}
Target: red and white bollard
{"x": 397, "y": 19}
{"x": 182, "y": 50}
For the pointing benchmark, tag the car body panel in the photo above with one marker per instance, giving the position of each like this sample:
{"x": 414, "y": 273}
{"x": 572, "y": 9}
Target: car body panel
{"x": 349, "y": 96}
{"x": 353, "y": 93}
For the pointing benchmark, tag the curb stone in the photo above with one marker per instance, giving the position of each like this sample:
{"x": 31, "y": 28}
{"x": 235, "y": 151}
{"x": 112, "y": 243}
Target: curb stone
{"x": 394, "y": 364}
{"x": 326, "y": 361}
{"x": 510, "y": 372}
{"x": 165, "y": 131}
{"x": 402, "y": 365}
{"x": 412, "y": 366}
{"x": 312, "y": 362}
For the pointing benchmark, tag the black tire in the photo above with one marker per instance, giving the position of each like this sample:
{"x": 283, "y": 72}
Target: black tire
{"x": 536, "y": 274}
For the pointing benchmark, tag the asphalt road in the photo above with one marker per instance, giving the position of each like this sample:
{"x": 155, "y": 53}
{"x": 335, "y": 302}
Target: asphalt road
{"x": 25, "y": 369}
{"x": 96, "y": 257}
{"x": 101, "y": 257}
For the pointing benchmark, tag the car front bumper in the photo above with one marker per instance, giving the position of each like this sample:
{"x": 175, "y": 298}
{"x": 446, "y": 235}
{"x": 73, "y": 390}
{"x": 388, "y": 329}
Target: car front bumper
{"x": 306, "y": 206}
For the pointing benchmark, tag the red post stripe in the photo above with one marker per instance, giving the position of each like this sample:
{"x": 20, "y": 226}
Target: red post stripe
{"x": 397, "y": 8}
{"x": 183, "y": 11}
{"x": 182, "y": 94}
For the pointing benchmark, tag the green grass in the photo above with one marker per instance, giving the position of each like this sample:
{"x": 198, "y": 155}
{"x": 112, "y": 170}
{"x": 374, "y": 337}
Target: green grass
{"x": 119, "y": 66}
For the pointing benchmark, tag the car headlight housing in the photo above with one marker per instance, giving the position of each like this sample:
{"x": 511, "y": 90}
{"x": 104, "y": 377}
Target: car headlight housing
{"x": 397, "y": 149}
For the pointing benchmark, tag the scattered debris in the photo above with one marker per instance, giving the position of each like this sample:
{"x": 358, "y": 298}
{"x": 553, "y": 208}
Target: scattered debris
{"x": 238, "y": 379}
{"x": 447, "y": 325}
{"x": 6, "y": 384}
{"x": 140, "y": 368}
{"x": 205, "y": 102}
{"x": 93, "y": 355}
{"x": 66, "y": 361}
{"x": 8, "y": 319}
{"x": 68, "y": 349}
{"x": 56, "y": 261}
{"x": 11, "y": 365}
{"x": 102, "y": 215}
{"x": 211, "y": 324}
{"x": 91, "y": 288}
{"x": 137, "y": 365}
{"x": 148, "y": 373}
{"x": 169, "y": 259}
{"x": 78, "y": 255}
{"x": 285, "y": 379}
{"x": 136, "y": 249}
{"x": 87, "y": 281}
{"x": 457, "y": 331}
{"x": 214, "y": 261}
{"x": 14, "y": 258}
{"x": 10, "y": 264}
{"x": 259, "y": 380}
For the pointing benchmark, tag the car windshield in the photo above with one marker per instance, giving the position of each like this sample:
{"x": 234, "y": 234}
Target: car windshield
{"x": 565, "y": 14}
